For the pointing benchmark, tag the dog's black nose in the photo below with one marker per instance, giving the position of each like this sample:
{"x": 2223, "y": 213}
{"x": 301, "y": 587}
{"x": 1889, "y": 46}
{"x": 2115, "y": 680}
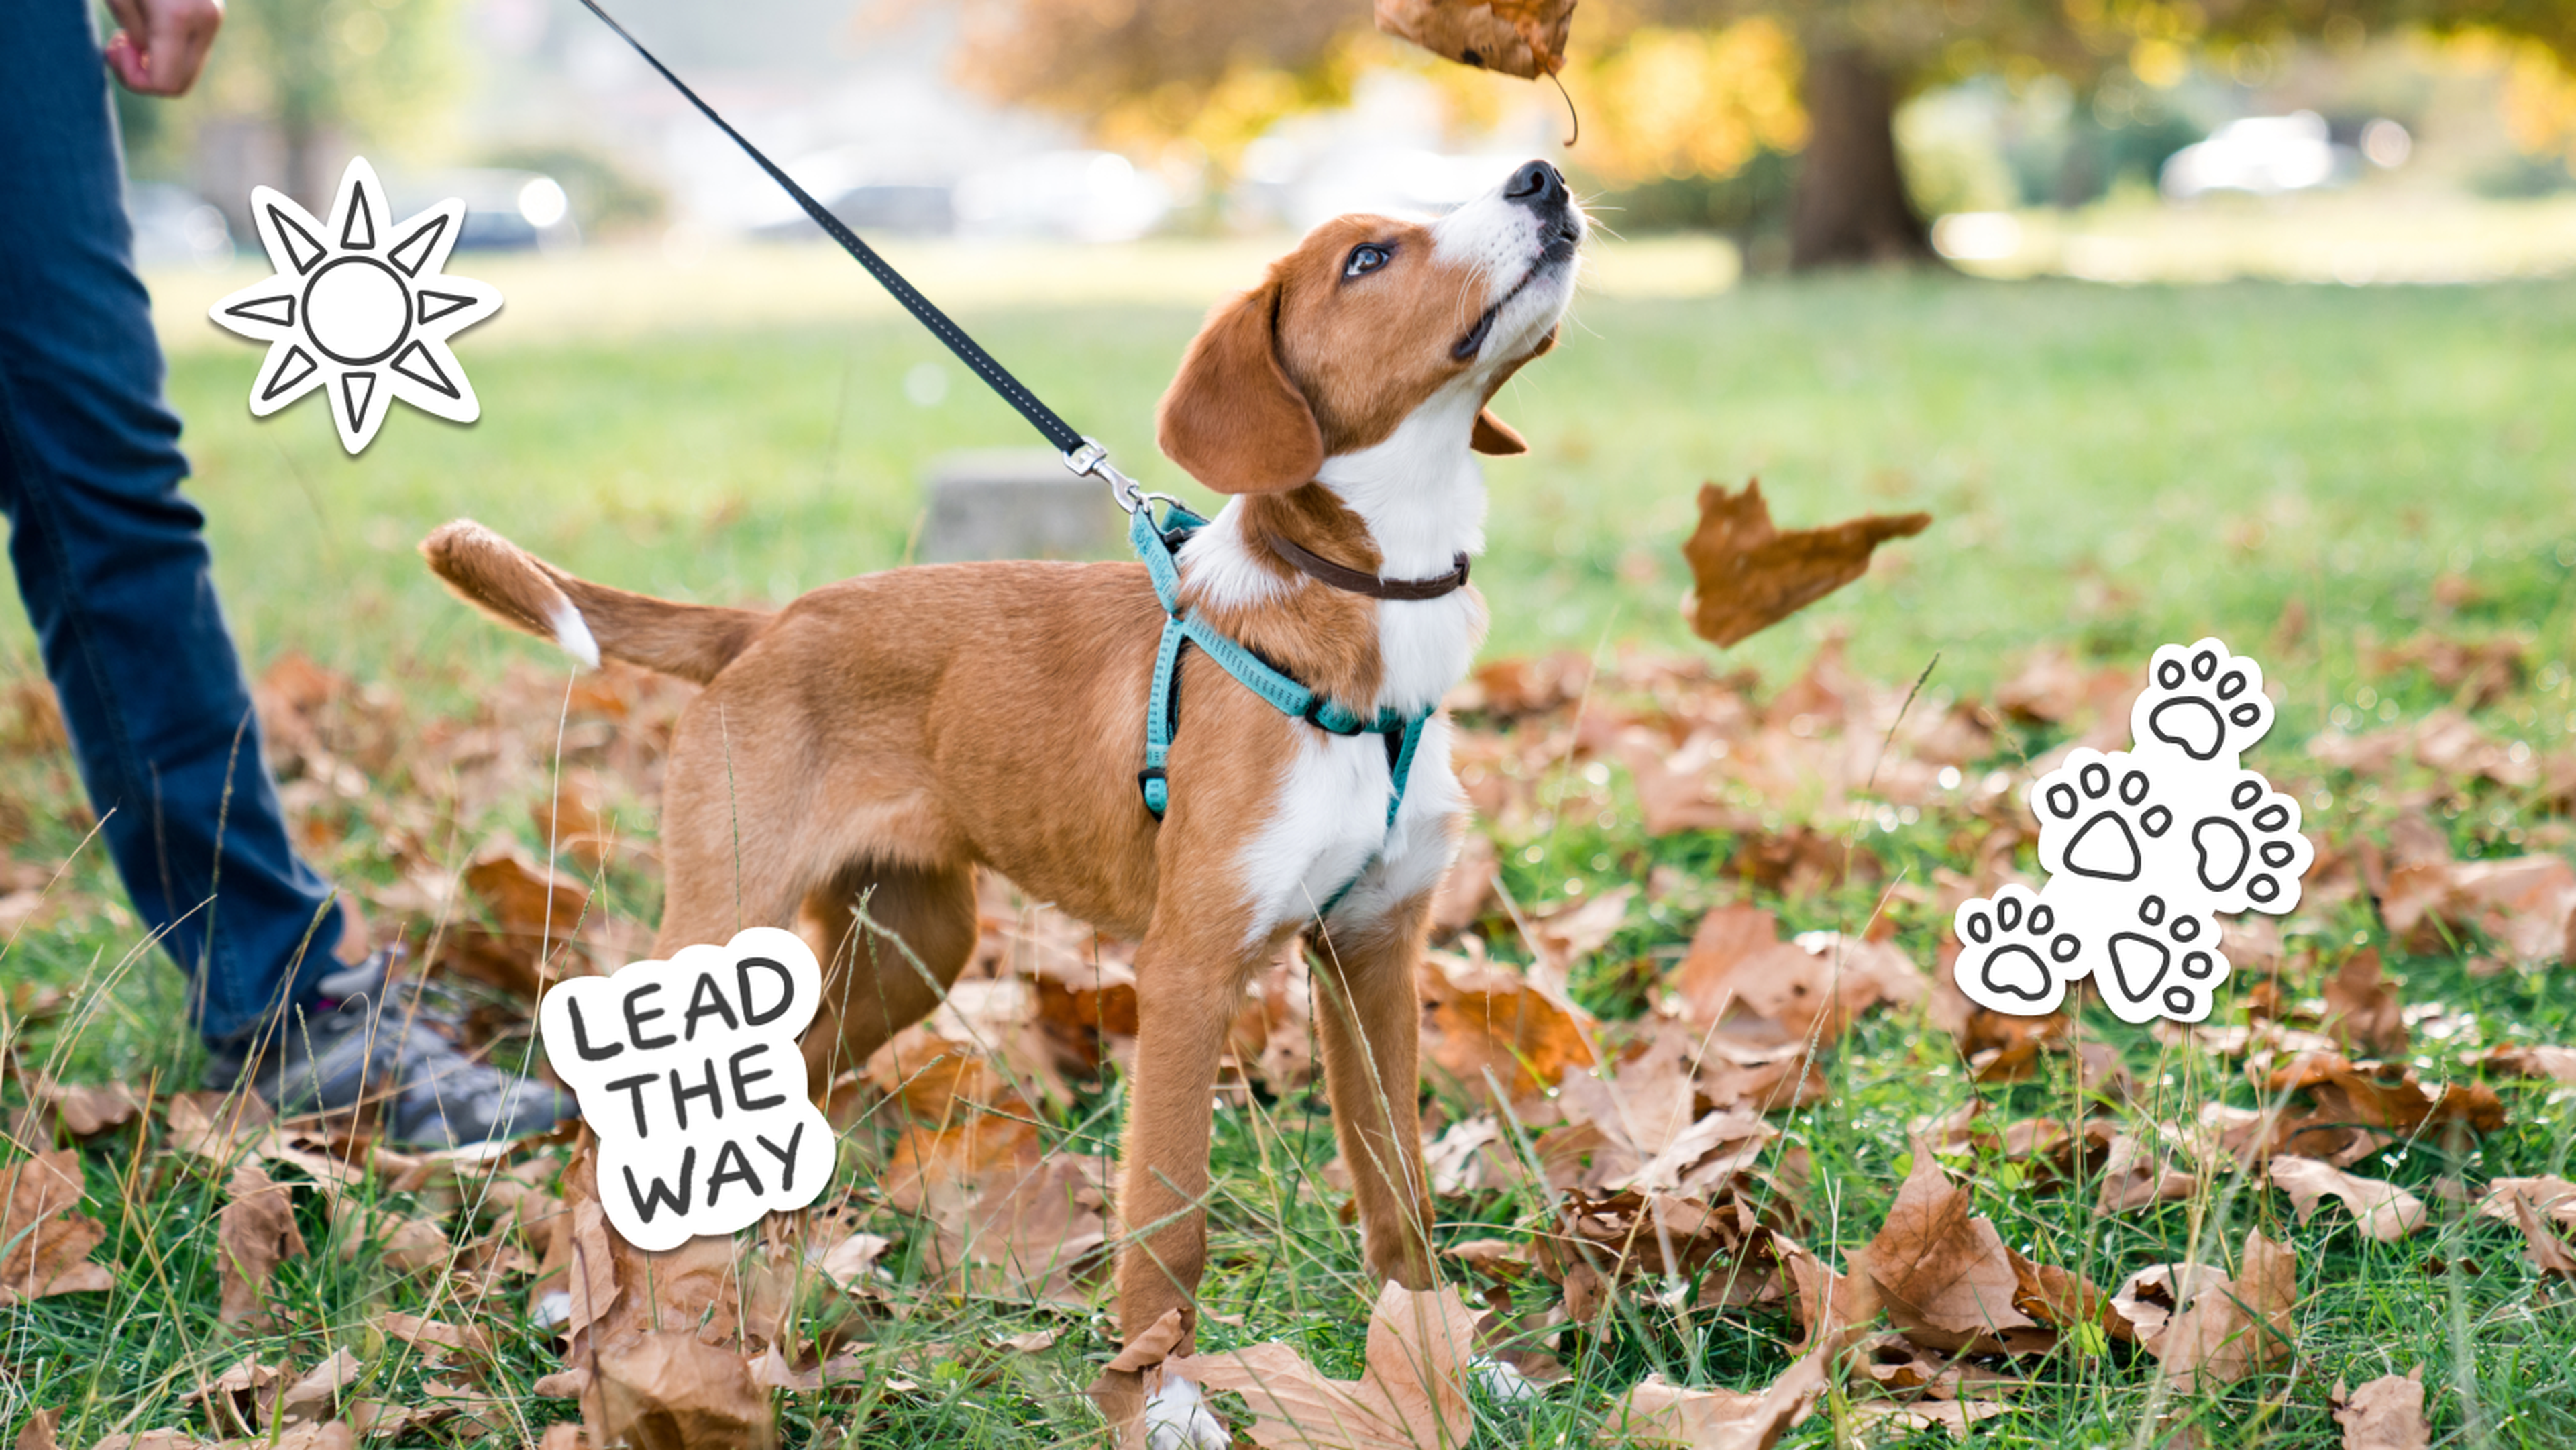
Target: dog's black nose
{"x": 1538, "y": 186}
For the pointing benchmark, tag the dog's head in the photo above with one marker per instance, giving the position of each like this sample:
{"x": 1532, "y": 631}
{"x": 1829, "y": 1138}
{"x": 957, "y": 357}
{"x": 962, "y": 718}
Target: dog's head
{"x": 1366, "y": 321}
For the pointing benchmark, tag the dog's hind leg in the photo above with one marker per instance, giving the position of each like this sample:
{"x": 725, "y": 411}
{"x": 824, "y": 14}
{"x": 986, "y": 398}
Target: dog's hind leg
{"x": 1368, "y": 1020}
{"x": 879, "y": 980}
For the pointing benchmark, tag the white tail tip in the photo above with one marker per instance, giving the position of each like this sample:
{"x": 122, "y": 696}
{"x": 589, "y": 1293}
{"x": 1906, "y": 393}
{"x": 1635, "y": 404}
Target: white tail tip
{"x": 572, "y": 632}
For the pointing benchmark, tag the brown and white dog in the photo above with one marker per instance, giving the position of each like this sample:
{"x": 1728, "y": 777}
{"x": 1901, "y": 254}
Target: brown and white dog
{"x": 892, "y": 733}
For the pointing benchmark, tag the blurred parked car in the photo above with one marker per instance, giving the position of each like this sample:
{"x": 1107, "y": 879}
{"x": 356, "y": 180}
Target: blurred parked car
{"x": 1090, "y": 196}
{"x": 2263, "y": 156}
{"x": 504, "y": 210}
{"x": 175, "y": 227}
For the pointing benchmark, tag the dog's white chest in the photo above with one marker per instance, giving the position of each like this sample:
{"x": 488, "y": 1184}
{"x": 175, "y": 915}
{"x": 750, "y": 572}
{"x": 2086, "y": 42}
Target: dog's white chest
{"x": 1328, "y": 833}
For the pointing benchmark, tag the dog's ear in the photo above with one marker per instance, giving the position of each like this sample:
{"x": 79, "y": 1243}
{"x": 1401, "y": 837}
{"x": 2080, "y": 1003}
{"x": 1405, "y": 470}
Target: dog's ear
{"x": 1232, "y": 417}
{"x": 1493, "y": 435}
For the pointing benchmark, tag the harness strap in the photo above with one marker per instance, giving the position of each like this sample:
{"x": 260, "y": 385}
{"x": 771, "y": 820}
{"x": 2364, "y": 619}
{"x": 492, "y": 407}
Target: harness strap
{"x": 1155, "y": 544}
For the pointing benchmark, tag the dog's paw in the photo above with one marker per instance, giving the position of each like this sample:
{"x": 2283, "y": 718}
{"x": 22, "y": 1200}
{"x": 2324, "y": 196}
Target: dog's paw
{"x": 2015, "y": 953}
{"x": 2202, "y": 701}
{"x": 1177, "y": 1417}
{"x": 2100, "y": 817}
{"x": 2247, "y": 851}
{"x": 2164, "y": 963}
{"x": 1502, "y": 1383}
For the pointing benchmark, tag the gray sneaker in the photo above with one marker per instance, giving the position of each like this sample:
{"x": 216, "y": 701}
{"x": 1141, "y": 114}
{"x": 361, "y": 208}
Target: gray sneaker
{"x": 370, "y": 1039}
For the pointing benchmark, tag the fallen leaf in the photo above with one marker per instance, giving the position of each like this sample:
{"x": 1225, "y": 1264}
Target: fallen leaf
{"x": 316, "y": 1397}
{"x": 1524, "y": 38}
{"x": 2522, "y": 1060}
{"x": 44, "y": 1245}
{"x": 1150, "y": 1348}
{"x": 439, "y": 1341}
{"x": 1484, "y": 1017}
{"x": 667, "y": 1391}
{"x": 254, "y": 1233}
{"x": 1943, "y": 1273}
{"x": 1664, "y": 1414}
{"x": 2140, "y": 1172}
{"x": 851, "y": 1263}
{"x": 2533, "y": 1205}
{"x": 1954, "y": 1416}
{"x": 2362, "y": 1010}
{"x": 2385, "y": 1211}
{"x": 1748, "y": 575}
{"x": 243, "y": 1398}
{"x": 84, "y": 1111}
{"x": 1742, "y": 979}
{"x": 1411, "y": 1397}
{"x": 2204, "y": 1327}
{"x": 2385, "y": 1414}
{"x": 38, "y": 1432}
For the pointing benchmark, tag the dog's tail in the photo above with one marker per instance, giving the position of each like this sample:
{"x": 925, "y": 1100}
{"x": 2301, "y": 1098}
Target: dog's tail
{"x": 692, "y": 641}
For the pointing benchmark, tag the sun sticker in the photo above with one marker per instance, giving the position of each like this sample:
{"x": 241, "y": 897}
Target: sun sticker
{"x": 359, "y": 309}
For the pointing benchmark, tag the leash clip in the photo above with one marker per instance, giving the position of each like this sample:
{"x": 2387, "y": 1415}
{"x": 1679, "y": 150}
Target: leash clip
{"x": 1091, "y": 460}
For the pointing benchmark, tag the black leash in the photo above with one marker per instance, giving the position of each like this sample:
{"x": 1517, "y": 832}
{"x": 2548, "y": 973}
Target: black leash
{"x": 1081, "y": 454}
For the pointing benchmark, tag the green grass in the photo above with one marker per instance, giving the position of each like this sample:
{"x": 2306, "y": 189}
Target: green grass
{"x": 2108, "y": 469}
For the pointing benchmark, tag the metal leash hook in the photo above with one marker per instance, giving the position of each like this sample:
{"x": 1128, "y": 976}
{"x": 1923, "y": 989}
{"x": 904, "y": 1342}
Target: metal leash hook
{"x": 1091, "y": 460}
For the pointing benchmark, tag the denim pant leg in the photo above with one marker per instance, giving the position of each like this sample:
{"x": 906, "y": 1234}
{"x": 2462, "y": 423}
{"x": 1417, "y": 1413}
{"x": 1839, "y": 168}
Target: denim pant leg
{"x": 111, "y": 558}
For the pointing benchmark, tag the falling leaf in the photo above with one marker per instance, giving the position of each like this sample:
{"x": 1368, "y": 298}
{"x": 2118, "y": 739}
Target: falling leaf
{"x": 667, "y": 1391}
{"x": 1663, "y": 1414}
{"x": 254, "y": 1233}
{"x": 44, "y": 1245}
{"x": 2385, "y": 1211}
{"x": 2385, "y": 1414}
{"x": 1524, "y": 38}
{"x": 1748, "y": 575}
{"x": 1411, "y": 1397}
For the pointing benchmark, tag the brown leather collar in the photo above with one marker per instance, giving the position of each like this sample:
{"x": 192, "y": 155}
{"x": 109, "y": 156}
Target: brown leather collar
{"x": 1317, "y": 567}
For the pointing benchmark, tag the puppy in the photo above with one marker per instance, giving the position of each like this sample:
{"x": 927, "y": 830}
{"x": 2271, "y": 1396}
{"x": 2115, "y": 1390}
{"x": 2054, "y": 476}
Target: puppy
{"x": 885, "y": 736}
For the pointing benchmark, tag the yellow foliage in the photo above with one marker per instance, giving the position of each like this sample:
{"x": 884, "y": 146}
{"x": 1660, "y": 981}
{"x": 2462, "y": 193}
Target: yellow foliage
{"x": 1679, "y": 103}
{"x": 2539, "y": 101}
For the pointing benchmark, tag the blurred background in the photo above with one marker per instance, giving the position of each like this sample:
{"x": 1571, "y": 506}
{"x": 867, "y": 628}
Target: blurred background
{"x": 2177, "y": 316}
{"x": 2124, "y": 140}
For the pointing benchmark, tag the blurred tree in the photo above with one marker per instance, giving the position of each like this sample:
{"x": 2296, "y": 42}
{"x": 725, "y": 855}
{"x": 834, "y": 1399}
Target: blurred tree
{"x": 1689, "y": 87}
{"x": 356, "y": 68}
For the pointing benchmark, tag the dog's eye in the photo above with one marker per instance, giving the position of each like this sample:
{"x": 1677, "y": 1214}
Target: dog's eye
{"x": 1365, "y": 258}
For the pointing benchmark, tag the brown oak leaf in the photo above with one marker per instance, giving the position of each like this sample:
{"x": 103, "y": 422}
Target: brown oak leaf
{"x": 1412, "y": 1396}
{"x": 1749, "y": 575}
{"x": 44, "y": 1246}
{"x": 1524, "y": 38}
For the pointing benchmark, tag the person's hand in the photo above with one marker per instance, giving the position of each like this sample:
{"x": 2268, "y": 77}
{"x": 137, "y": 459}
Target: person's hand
{"x": 163, "y": 44}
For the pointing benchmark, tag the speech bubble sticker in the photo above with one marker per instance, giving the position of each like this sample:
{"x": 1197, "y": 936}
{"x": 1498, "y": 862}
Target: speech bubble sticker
{"x": 361, "y": 308}
{"x": 689, "y": 1073}
{"x": 2144, "y": 849}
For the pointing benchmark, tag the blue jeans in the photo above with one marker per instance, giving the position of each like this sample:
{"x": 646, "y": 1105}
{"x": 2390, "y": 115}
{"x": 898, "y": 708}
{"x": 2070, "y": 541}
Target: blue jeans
{"x": 111, "y": 558}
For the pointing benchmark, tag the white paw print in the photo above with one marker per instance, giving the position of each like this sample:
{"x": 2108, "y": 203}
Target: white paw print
{"x": 2164, "y": 963}
{"x": 2143, "y": 849}
{"x": 2201, "y": 702}
{"x": 2247, "y": 853}
{"x": 2014, "y": 954}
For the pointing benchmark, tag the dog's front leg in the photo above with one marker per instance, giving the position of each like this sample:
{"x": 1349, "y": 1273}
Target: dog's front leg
{"x": 1187, "y": 992}
{"x": 1368, "y": 1017}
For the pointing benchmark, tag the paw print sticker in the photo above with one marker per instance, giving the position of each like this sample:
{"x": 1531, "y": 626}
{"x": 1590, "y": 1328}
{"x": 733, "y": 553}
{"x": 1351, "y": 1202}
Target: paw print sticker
{"x": 688, "y": 1071}
{"x": 2247, "y": 852}
{"x": 2201, "y": 702}
{"x": 2014, "y": 956}
{"x": 2144, "y": 848}
{"x": 2166, "y": 963}
{"x": 2106, "y": 817}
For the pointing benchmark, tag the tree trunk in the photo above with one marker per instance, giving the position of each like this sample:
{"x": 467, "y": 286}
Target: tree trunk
{"x": 1848, "y": 206}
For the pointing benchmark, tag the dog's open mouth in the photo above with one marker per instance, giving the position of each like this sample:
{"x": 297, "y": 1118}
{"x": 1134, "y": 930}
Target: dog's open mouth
{"x": 1561, "y": 242}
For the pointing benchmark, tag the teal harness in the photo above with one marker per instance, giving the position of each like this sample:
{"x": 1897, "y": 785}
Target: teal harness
{"x": 1156, "y": 544}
